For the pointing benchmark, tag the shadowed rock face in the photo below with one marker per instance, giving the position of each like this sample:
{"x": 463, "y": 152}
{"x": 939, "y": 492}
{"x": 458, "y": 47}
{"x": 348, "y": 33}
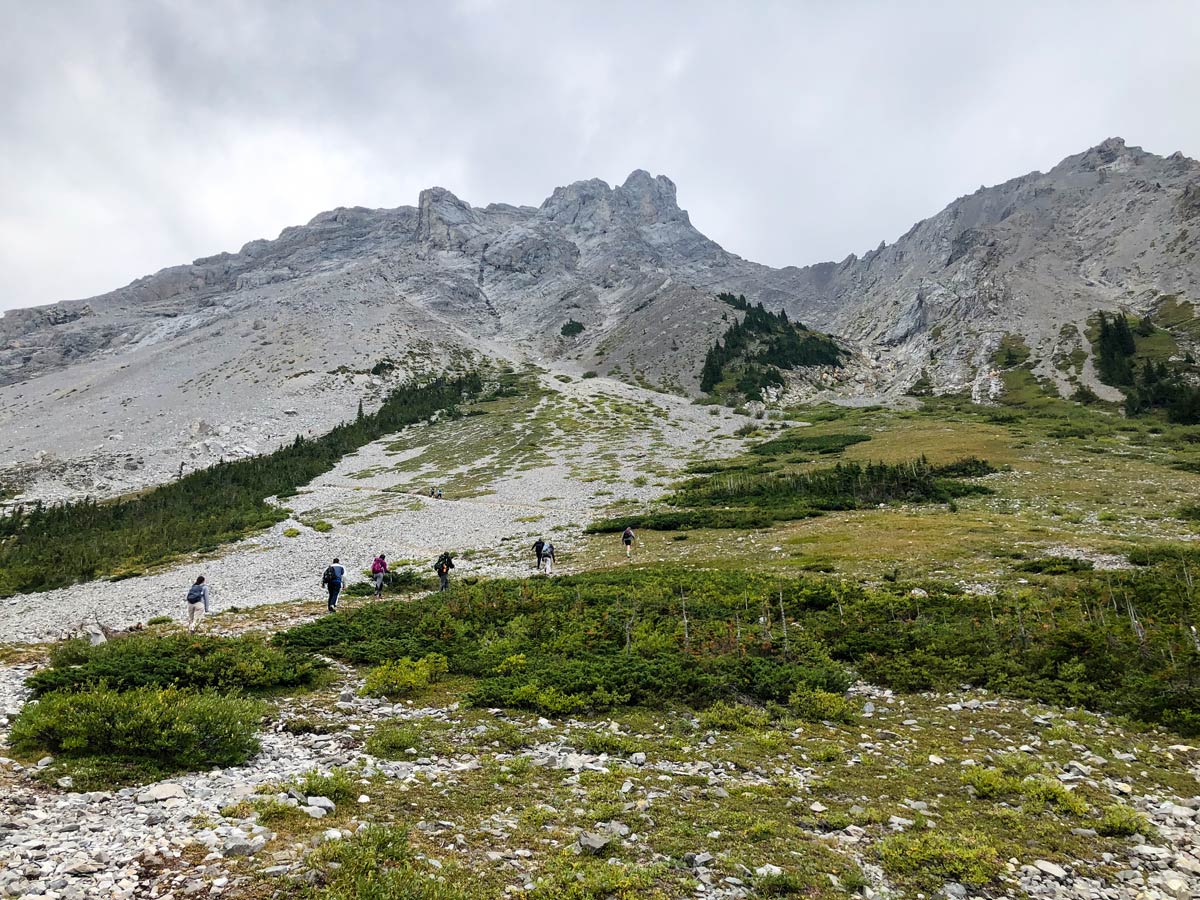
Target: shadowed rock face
{"x": 295, "y": 323}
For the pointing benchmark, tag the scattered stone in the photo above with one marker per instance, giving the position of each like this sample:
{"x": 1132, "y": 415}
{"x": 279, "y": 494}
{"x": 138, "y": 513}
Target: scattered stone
{"x": 1052, "y": 869}
{"x": 592, "y": 843}
{"x": 157, "y": 793}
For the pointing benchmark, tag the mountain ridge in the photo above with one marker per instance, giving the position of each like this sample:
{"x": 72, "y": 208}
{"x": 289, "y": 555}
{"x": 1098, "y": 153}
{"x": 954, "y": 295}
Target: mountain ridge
{"x": 282, "y": 335}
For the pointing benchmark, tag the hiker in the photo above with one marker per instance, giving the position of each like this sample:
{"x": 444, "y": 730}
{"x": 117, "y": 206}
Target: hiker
{"x": 548, "y": 557}
{"x": 378, "y": 570}
{"x": 332, "y": 579}
{"x": 432, "y": 493}
{"x": 439, "y": 494}
{"x": 197, "y": 603}
{"x": 443, "y": 566}
{"x": 537, "y": 553}
{"x": 627, "y": 540}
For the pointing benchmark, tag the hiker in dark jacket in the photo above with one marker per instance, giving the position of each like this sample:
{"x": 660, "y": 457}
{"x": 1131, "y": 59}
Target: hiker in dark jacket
{"x": 333, "y": 578}
{"x": 538, "y": 545}
{"x": 443, "y": 566}
{"x": 197, "y": 603}
{"x": 627, "y": 538}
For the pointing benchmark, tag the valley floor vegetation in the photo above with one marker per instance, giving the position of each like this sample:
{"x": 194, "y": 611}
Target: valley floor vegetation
{"x": 45, "y": 547}
{"x": 1120, "y": 642}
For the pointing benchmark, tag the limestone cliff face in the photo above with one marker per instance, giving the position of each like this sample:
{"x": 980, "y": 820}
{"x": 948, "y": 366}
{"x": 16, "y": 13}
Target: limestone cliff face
{"x": 281, "y": 336}
{"x": 1113, "y": 227}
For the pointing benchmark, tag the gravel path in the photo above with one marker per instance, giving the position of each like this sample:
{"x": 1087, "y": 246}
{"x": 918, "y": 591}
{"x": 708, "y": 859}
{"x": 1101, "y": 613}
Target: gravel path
{"x": 377, "y": 501}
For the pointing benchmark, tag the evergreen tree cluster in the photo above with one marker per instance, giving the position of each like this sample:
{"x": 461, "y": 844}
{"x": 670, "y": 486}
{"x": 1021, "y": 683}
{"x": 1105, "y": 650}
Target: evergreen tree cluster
{"x": 1156, "y": 387}
{"x": 1148, "y": 387}
{"x": 44, "y": 547}
{"x": 762, "y": 344}
{"x": 1114, "y": 350}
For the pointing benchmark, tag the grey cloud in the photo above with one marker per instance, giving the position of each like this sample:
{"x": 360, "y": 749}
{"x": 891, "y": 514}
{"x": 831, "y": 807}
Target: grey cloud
{"x": 139, "y": 134}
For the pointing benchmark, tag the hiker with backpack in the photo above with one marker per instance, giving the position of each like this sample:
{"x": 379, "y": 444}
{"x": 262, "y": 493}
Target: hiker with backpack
{"x": 548, "y": 557}
{"x": 627, "y": 538}
{"x": 332, "y": 580}
{"x": 378, "y": 570}
{"x": 443, "y": 566}
{"x": 197, "y": 603}
{"x": 538, "y": 545}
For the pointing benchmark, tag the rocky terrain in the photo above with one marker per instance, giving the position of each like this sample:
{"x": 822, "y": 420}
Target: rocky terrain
{"x": 227, "y": 832}
{"x": 237, "y": 352}
{"x": 1113, "y": 227}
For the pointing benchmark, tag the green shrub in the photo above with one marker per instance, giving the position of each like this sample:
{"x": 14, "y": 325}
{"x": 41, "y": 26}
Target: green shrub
{"x": 339, "y": 785}
{"x": 1044, "y": 791}
{"x": 571, "y": 328}
{"x": 377, "y": 864}
{"x": 821, "y": 706}
{"x": 591, "y": 373}
{"x": 1121, "y": 821}
{"x": 159, "y": 620}
{"x": 608, "y": 742}
{"x": 1190, "y": 513}
{"x": 322, "y": 526}
{"x": 393, "y": 741}
{"x": 796, "y": 440}
{"x": 275, "y": 812}
{"x": 933, "y": 858}
{"x": 166, "y": 729}
{"x": 402, "y": 677}
{"x": 723, "y": 716}
{"x": 244, "y": 663}
{"x": 291, "y": 532}
{"x": 1056, "y": 565}
{"x": 1020, "y": 765}
{"x": 617, "y": 636}
{"x": 990, "y": 784}
{"x": 508, "y": 736}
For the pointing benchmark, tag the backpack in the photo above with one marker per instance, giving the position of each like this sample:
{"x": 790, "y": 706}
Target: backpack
{"x": 376, "y": 567}
{"x": 330, "y": 577}
{"x": 195, "y": 593}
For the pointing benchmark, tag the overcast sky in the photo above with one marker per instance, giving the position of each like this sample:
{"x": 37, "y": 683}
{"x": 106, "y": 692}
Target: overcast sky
{"x": 137, "y": 135}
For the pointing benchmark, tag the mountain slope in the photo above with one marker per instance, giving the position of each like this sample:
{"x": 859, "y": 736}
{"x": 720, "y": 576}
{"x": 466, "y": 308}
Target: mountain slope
{"x": 1036, "y": 256}
{"x": 239, "y": 351}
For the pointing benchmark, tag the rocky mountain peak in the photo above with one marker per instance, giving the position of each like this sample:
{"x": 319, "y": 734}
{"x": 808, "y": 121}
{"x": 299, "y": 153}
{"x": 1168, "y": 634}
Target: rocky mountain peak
{"x": 443, "y": 220}
{"x": 650, "y": 199}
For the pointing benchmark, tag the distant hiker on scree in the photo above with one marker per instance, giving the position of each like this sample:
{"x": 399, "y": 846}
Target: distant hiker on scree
{"x": 443, "y": 566}
{"x": 627, "y": 540}
{"x": 332, "y": 580}
{"x": 197, "y": 603}
{"x": 548, "y": 557}
{"x": 378, "y": 570}
{"x": 537, "y": 553}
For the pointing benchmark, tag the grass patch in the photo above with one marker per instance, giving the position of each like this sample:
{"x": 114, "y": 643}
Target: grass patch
{"x": 929, "y": 860}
